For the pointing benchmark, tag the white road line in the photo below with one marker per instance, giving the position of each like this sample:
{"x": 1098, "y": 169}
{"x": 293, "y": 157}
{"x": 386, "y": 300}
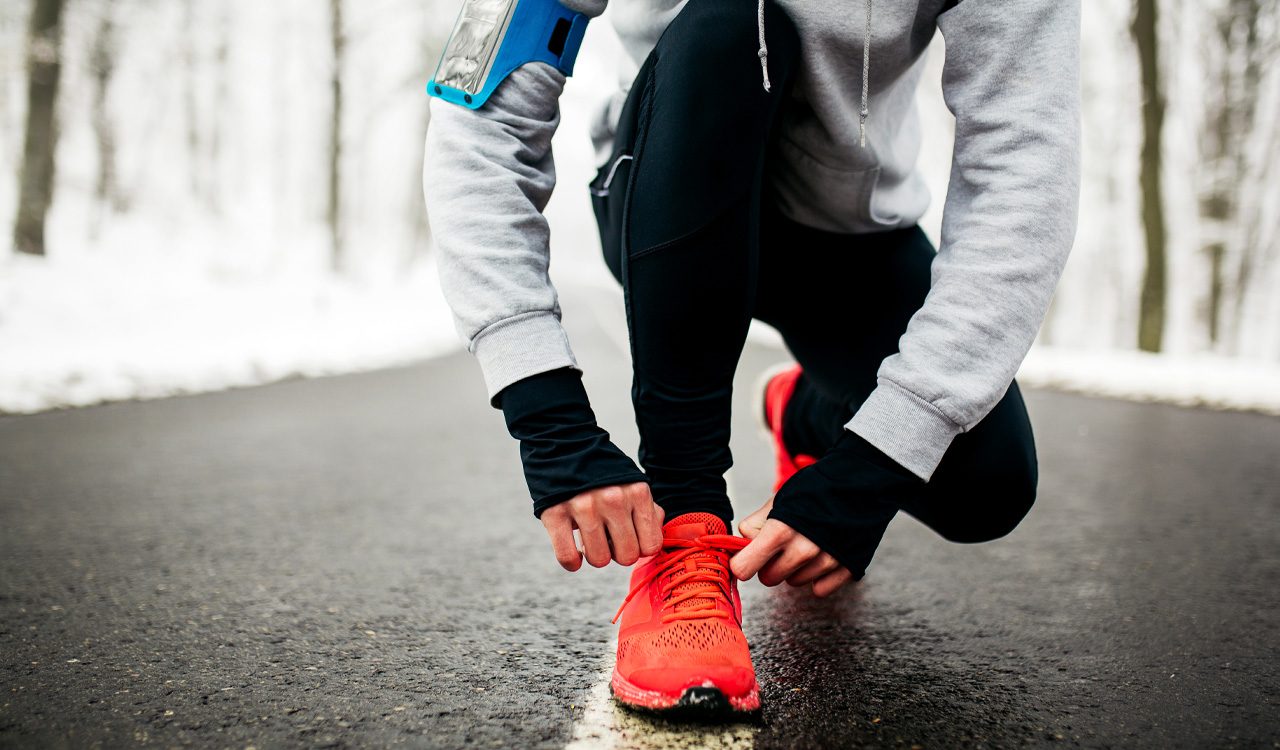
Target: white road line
{"x": 605, "y": 725}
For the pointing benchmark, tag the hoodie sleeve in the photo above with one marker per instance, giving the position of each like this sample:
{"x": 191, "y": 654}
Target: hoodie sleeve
{"x": 487, "y": 176}
{"x": 1012, "y": 79}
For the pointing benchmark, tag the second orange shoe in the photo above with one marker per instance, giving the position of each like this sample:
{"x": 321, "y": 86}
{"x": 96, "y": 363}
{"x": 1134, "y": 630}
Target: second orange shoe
{"x": 773, "y": 391}
{"x": 680, "y": 644}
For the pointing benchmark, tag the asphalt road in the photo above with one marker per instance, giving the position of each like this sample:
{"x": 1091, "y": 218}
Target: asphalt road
{"x": 351, "y": 561}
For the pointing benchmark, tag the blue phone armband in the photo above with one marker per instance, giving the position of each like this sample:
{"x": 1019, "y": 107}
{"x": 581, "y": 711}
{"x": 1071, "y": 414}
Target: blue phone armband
{"x": 491, "y": 38}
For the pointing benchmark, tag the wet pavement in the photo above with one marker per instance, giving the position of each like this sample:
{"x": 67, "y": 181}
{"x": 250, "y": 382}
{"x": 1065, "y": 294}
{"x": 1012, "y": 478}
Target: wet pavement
{"x": 351, "y": 561}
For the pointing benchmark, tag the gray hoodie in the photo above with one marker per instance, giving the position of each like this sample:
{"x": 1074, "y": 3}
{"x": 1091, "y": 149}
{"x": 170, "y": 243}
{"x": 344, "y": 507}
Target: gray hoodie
{"x": 845, "y": 163}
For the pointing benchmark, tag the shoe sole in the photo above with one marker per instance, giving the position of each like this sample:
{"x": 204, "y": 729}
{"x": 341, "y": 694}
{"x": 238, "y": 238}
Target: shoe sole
{"x": 704, "y": 704}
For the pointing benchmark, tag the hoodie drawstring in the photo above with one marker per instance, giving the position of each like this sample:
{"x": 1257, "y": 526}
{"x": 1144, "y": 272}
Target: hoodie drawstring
{"x": 866, "y": 80}
{"x": 764, "y": 50}
{"x": 865, "y": 112}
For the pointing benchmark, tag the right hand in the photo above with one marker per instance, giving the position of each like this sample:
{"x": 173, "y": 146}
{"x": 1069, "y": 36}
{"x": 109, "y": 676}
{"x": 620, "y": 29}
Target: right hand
{"x": 619, "y": 522}
{"x": 785, "y": 554}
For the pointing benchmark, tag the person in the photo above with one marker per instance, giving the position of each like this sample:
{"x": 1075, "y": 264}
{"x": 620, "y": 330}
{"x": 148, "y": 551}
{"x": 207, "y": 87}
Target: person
{"x": 759, "y": 162}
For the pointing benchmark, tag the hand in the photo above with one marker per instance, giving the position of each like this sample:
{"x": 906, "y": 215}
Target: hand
{"x": 619, "y": 522}
{"x": 835, "y": 510}
{"x": 778, "y": 553}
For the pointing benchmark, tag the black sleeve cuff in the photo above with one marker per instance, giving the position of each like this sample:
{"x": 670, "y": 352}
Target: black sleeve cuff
{"x": 563, "y": 450}
{"x": 531, "y": 394}
{"x": 853, "y": 445}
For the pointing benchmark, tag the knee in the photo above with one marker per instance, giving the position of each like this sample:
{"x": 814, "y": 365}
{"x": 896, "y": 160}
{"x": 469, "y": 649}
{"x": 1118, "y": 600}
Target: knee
{"x": 1001, "y": 500}
{"x": 1012, "y": 502}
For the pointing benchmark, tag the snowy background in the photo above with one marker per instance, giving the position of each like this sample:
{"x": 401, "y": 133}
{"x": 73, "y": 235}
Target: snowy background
{"x": 193, "y": 243}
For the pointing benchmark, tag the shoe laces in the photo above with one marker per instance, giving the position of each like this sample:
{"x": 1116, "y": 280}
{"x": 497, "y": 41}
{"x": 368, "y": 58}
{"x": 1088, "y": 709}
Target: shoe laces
{"x": 693, "y": 576}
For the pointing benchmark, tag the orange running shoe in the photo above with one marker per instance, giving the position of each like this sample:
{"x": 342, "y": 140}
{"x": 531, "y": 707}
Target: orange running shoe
{"x": 775, "y": 389}
{"x": 680, "y": 643}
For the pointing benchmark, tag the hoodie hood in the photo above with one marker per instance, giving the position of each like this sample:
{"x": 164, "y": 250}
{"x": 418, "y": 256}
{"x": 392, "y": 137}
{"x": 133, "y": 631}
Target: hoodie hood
{"x": 763, "y": 53}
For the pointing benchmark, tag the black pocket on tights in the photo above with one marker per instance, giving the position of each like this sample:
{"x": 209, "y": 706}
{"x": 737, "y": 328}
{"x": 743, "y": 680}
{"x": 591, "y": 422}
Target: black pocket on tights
{"x": 608, "y": 199}
{"x": 612, "y": 184}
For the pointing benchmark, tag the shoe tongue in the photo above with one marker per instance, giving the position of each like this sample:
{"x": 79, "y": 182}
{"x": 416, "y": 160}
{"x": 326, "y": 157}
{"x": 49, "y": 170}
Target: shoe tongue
{"x": 694, "y": 525}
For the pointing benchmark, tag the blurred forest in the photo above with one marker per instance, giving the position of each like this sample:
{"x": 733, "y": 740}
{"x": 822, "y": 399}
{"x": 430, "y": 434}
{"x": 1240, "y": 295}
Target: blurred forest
{"x": 1179, "y": 242}
{"x": 266, "y": 123}
{"x": 293, "y": 129}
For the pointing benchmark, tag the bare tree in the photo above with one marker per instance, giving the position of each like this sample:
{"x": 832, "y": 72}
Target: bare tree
{"x": 190, "y": 105}
{"x": 221, "y": 106}
{"x": 1151, "y": 311}
{"x": 44, "y": 68}
{"x": 1241, "y": 50}
{"x": 102, "y": 63}
{"x": 337, "y": 39}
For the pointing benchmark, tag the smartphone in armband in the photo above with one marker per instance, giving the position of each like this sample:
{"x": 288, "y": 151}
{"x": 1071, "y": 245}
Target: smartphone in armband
{"x": 491, "y": 38}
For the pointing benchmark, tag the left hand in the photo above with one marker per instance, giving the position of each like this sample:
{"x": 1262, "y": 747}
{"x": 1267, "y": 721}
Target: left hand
{"x": 779, "y": 553}
{"x": 828, "y": 520}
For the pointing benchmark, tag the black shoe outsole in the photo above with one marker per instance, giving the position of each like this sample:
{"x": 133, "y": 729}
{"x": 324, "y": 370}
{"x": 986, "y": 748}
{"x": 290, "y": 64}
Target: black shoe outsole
{"x": 705, "y": 705}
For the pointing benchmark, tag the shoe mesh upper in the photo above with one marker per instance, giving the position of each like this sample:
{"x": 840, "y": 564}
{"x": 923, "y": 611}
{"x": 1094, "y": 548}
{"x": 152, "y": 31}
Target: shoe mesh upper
{"x": 694, "y": 641}
{"x": 711, "y": 641}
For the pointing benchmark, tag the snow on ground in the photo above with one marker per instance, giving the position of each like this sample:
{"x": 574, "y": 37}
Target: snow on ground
{"x": 139, "y": 322}
{"x": 1193, "y": 380}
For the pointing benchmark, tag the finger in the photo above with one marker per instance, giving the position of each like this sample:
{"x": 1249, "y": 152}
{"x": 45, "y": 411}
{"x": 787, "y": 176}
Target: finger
{"x": 622, "y": 537}
{"x": 813, "y": 570}
{"x": 595, "y": 544}
{"x": 752, "y": 524}
{"x": 772, "y": 537}
{"x": 647, "y": 518}
{"x": 560, "y": 529}
{"x": 795, "y": 555}
{"x": 827, "y": 585}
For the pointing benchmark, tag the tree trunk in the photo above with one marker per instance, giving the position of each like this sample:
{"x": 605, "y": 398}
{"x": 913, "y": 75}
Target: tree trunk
{"x": 221, "y": 106}
{"x": 196, "y": 165}
{"x": 334, "y": 213}
{"x": 35, "y": 181}
{"x": 103, "y": 63}
{"x": 1232, "y": 120}
{"x": 1259, "y": 51}
{"x": 1151, "y": 311}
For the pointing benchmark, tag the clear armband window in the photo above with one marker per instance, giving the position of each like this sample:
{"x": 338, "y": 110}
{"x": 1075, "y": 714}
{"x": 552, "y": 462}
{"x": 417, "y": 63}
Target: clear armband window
{"x": 491, "y": 38}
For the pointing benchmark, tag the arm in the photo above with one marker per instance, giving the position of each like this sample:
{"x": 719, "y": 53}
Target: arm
{"x": 487, "y": 176}
{"x": 1012, "y": 79}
